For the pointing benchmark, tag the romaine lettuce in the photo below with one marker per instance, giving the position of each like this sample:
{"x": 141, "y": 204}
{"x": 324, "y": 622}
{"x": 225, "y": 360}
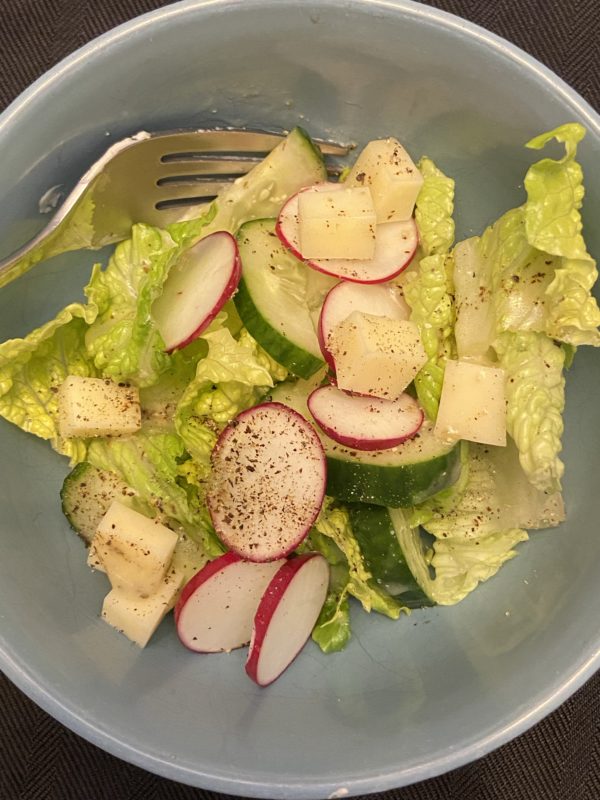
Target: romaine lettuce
{"x": 32, "y": 370}
{"x": 535, "y": 399}
{"x": 154, "y": 463}
{"x": 493, "y": 494}
{"x": 434, "y": 209}
{"x": 124, "y": 341}
{"x": 429, "y": 293}
{"x": 234, "y": 375}
{"x": 458, "y": 565}
{"x": 334, "y": 523}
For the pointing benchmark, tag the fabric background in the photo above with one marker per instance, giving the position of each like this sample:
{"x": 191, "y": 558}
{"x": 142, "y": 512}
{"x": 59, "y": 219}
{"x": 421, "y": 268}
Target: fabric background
{"x": 559, "y": 759}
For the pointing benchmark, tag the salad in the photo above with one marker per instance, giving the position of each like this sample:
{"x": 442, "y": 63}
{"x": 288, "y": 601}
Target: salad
{"x": 312, "y": 393}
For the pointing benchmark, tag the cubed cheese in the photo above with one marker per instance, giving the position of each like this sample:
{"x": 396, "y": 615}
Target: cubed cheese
{"x": 132, "y": 549}
{"x": 394, "y": 180}
{"x": 336, "y": 224}
{"x": 473, "y": 404}
{"x": 90, "y": 407}
{"x": 377, "y": 356}
{"x": 139, "y": 617}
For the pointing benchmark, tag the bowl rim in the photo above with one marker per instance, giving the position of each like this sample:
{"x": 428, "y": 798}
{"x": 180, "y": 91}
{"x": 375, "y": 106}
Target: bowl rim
{"x": 555, "y": 693}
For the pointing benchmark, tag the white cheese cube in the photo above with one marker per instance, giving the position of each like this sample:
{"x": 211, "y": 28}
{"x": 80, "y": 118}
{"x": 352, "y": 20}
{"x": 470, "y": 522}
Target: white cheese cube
{"x": 132, "y": 549}
{"x": 139, "y": 617}
{"x": 377, "y": 356}
{"x": 90, "y": 407}
{"x": 394, "y": 179}
{"x": 336, "y": 224}
{"x": 473, "y": 404}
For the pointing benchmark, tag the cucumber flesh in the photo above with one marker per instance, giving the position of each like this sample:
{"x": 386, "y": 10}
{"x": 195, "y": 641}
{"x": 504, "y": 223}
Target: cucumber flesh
{"x": 272, "y": 299}
{"x": 295, "y": 163}
{"x": 86, "y": 494}
{"x": 405, "y": 475}
{"x": 383, "y": 556}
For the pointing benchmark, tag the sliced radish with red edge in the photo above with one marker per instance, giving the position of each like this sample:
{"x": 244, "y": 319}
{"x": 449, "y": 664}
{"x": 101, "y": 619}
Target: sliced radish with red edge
{"x": 395, "y": 245}
{"x": 376, "y": 299}
{"x": 365, "y": 423}
{"x": 196, "y": 289}
{"x": 216, "y": 608}
{"x": 286, "y": 616}
{"x": 267, "y": 483}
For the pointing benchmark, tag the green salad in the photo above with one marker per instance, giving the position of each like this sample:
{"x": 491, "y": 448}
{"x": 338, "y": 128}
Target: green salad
{"x": 399, "y": 394}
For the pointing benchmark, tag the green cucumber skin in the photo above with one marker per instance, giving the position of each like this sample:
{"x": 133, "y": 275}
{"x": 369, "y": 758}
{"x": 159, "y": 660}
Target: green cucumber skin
{"x": 399, "y": 486}
{"x": 298, "y": 361}
{"x": 314, "y": 150}
{"x": 71, "y": 485}
{"x": 376, "y": 536}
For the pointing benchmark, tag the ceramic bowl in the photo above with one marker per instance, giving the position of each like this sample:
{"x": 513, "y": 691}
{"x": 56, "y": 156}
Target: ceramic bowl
{"x": 407, "y": 700}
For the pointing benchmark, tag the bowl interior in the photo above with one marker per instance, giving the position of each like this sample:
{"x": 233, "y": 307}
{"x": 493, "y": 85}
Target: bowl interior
{"x": 408, "y": 699}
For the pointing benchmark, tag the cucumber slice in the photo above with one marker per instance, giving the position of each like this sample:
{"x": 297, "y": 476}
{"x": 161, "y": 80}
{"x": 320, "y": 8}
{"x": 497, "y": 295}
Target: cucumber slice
{"x": 86, "y": 494}
{"x": 405, "y": 475}
{"x": 383, "y": 557}
{"x": 295, "y": 163}
{"x": 272, "y": 302}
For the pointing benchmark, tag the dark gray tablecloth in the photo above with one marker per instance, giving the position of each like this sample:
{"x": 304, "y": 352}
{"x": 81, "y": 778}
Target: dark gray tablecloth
{"x": 559, "y": 759}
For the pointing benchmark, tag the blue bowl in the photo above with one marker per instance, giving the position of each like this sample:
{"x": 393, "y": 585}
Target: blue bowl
{"x": 408, "y": 699}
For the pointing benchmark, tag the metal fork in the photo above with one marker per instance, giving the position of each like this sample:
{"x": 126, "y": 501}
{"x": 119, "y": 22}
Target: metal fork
{"x": 148, "y": 178}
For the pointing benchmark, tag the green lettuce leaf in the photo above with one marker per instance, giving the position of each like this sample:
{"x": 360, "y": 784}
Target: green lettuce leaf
{"x": 434, "y": 209}
{"x": 533, "y": 270}
{"x": 462, "y": 564}
{"x": 494, "y": 495}
{"x": 458, "y": 565}
{"x": 154, "y": 463}
{"x": 332, "y": 629}
{"x": 32, "y": 370}
{"x": 429, "y": 292}
{"x": 124, "y": 341}
{"x": 553, "y": 224}
{"x": 554, "y": 196}
{"x": 235, "y": 374}
{"x": 334, "y": 523}
{"x": 535, "y": 399}
{"x": 160, "y": 400}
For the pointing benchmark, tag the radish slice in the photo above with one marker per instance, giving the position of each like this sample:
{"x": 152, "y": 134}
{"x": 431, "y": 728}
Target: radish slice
{"x": 196, "y": 289}
{"x": 286, "y": 616}
{"x": 268, "y": 482}
{"x": 365, "y": 423}
{"x": 216, "y": 609}
{"x": 346, "y": 297}
{"x": 395, "y": 245}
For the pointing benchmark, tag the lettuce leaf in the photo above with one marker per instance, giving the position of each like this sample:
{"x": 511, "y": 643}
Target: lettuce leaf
{"x": 154, "y": 463}
{"x": 234, "y": 375}
{"x": 124, "y": 341}
{"x": 32, "y": 370}
{"x": 332, "y": 629}
{"x": 334, "y": 523}
{"x": 458, "y": 565}
{"x": 553, "y": 224}
{"x": 160, "y": 400}
{"x": 494, "y": 496}
{"x": 535, "y": 399}
{"x": 534, "y": 271}
{"x": 434, "y": 209}
{"x": 429, "y": 292}
{"x": 462, "y": 564}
